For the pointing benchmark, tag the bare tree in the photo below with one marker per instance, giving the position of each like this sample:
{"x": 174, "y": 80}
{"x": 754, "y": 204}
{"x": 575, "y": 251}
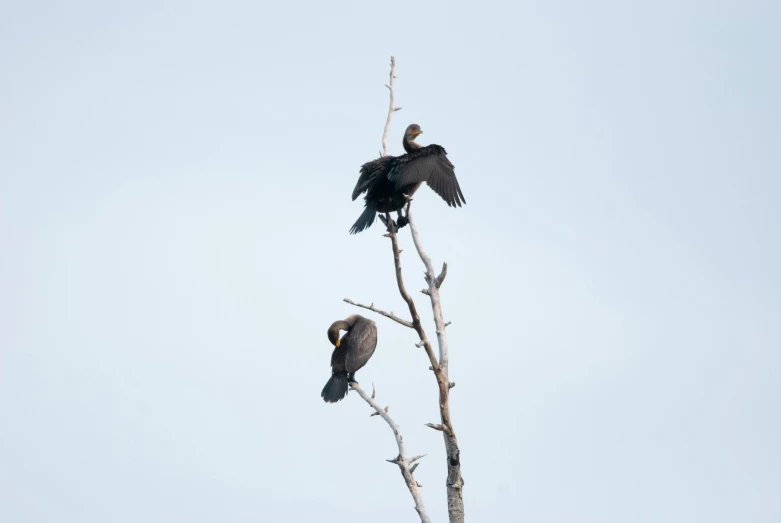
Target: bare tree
{"x": 455, "y": 482}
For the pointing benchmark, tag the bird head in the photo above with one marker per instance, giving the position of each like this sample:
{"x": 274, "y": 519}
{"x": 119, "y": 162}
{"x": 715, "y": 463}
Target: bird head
{"x": 413, "y": 131}
{"x": 334, "y": 330}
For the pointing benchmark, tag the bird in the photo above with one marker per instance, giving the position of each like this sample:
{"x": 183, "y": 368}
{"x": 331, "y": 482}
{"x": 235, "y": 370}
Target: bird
{"x": 390, "y": 181}
{"x": 352, "y": 352}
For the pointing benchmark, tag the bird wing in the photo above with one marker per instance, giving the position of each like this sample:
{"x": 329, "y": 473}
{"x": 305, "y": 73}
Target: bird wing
{"x": 361, "y": 340}
{"x": 370, "y": 171}
{"x": 428, "y": 164}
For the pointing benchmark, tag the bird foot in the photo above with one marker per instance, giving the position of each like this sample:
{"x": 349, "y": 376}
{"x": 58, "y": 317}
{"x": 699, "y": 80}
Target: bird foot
{"x": 390, "y": 225}
{"x": 401, "y": 222}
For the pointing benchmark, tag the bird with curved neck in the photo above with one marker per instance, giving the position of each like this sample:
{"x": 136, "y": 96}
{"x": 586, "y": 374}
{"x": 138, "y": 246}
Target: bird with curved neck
{"x": 350, "y": 354}
{"x": 412, "y": 132}
{"x": 390, "y": 181}
{"x": 334, "y": 331}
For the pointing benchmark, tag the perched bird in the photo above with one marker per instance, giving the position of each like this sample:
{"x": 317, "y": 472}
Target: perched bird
{"x": 389, "y": 180}
{"x": 352, "y": 352}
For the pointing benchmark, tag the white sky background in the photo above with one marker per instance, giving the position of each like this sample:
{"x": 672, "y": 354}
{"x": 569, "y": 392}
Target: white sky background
{"x": 175, "y": 185}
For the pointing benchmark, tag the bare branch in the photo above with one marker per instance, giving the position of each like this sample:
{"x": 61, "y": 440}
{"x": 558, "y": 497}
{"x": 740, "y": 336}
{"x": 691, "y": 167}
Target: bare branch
{"x": 382, "y": 312}
{"x": 454, "y": 479}
{"x": 416, "y": 324}
{"x": 433, "y": 293}
{"x": 391, "y": 108}
{"x": 455, "y": 482}
{"x": 412, "y": 469}
{"x": 401, "y": 460}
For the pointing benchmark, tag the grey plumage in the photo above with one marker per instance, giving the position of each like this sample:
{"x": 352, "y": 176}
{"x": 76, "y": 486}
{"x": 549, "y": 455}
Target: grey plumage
{"x": 354, "y": 350}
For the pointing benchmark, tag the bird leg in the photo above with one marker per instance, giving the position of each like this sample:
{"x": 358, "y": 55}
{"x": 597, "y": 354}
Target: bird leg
{"x": 351, "y": 378}
{"x": 390, "y": 224}
{"x": 402, "y": 220}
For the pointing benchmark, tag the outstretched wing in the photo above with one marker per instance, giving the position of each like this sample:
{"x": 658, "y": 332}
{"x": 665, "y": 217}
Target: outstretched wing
{"x": 361, "y": 342}
{"x": 371, "y": 171}
{"x": 428, "y": 164}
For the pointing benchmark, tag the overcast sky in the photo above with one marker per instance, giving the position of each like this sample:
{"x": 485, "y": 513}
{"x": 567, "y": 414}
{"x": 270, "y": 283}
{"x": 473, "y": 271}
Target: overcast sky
{"x": 175, "y": 183}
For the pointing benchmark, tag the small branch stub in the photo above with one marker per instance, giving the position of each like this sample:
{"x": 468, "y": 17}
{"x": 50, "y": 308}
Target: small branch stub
{"x": 441, "y": 277}
{"x": 413, "y": 460}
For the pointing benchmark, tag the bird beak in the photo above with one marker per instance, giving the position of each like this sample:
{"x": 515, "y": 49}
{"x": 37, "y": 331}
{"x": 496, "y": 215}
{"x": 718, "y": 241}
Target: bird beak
{"x": 338, "y": 342}
{"x": 419, "y": 132}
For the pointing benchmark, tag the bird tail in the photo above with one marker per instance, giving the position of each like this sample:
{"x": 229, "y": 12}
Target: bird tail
{"x": 336, "y": 388}
{"x": 365, "y": 220}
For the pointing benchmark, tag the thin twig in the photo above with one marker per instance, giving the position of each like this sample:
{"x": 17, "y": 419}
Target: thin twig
{"x": 382, "y": 312}
{"x": 391, "y": 108}
{"x": 401, "y": 460}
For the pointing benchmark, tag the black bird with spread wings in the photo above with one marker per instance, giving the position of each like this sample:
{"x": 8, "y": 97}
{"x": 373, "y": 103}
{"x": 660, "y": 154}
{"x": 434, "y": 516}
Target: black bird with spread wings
{"x": 352, "y": 352}
{"x": 389, "y": 180}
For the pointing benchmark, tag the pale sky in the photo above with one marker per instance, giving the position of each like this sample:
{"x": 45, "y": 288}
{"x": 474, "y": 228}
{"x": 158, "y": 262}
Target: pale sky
{"x": 175, "y": 183}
